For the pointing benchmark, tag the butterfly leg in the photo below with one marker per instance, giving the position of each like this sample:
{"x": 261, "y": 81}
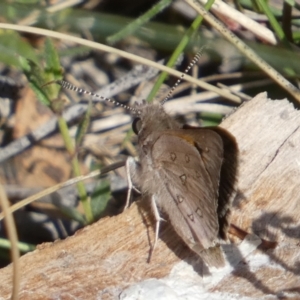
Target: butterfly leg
{"x": 131, "y": 168}
{"x": 158, "y": 219}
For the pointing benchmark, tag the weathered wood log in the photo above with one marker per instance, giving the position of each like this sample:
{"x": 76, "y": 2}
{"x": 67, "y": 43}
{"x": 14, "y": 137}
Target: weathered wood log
{"x": 108, "y": 259}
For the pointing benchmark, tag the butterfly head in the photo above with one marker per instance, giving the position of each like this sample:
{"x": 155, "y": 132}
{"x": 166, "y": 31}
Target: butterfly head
{"x": 151, "y": 118}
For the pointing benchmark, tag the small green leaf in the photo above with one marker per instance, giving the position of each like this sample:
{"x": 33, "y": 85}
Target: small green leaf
{"x": 53, "y": 70}
{"x": 12, "y": 46}
{"x": 23, "y": 247}
{"x": 73, "y": 214}
{"x": 34, "y": 76}
{"x": 52, "y": 60}
{"x": 210, "y": 119}
{"x": 100, "y": 198}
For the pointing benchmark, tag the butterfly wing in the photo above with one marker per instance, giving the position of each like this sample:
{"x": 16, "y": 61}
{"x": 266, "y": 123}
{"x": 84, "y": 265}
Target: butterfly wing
{"x": 190, "y": 172}
{"x": 228, "y": 177}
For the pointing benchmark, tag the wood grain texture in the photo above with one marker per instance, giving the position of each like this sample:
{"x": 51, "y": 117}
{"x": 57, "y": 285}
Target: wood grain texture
{"x": 268, "y": 201}
{"x": 103, "y": 259}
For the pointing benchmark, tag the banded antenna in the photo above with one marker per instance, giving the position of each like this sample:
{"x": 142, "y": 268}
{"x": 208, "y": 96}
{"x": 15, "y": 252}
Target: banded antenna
{"x": 66, "y": 85}
{"x": 192, "y": 63}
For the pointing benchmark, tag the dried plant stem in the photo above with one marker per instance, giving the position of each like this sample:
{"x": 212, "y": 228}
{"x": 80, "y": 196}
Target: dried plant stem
{"x": 56, "y": 187}
{"x": 101, "y": 47}
{"x": 249, "y": 53}
{"x": 12, "y": 235}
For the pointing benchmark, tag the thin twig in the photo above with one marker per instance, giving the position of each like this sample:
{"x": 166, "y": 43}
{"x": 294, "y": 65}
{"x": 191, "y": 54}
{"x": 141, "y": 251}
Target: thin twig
{"x": 248, "y": 52}
{"x": 12, "y": 235}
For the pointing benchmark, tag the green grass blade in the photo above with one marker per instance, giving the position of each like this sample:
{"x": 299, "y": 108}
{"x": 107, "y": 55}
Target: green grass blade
{"x": 136, "y": 25}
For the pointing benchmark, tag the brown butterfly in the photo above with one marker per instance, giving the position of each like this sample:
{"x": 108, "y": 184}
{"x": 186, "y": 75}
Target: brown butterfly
{"x": 179, "y": 168}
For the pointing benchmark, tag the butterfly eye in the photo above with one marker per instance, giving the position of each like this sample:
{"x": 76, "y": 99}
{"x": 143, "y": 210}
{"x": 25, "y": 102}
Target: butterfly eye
{"x": 136, "y": 125}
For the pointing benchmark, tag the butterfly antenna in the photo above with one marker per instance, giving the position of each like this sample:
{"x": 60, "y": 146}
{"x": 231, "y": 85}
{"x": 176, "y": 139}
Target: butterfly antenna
{"x": 192, "y": 63}
{"x": 69, "y": 86}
